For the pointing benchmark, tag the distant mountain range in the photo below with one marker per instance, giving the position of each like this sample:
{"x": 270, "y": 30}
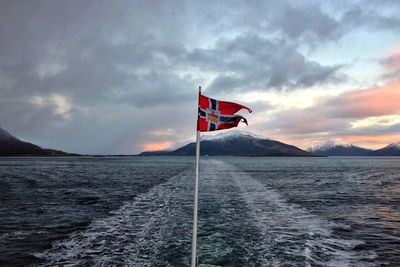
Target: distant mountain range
{"x": 238, "y": 143}
{"x": 230, "y": 143}
{"x": 332, "y": 148}
{"x": 235, "y": 143}
{"x": 12, "y": 146}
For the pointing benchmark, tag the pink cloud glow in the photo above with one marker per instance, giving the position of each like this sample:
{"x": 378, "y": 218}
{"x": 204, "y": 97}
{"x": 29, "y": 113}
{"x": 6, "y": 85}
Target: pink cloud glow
{"x": 377, "y": 101}
{"x": 332, "y": 117}
{"x": 157, "y": 146}
{"x": 392, "y": 62}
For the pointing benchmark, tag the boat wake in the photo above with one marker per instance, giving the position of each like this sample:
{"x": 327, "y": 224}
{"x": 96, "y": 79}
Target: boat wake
{"x": 146, "y": 232}
{"x": 291, "y": 235}
{"x": 242, "y": 221}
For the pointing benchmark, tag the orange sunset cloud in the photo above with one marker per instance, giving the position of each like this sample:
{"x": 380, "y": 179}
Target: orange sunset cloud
{"x": 349, "y": 117}
{"x": 370, "y": 102}
{"x": 157, "y": 146}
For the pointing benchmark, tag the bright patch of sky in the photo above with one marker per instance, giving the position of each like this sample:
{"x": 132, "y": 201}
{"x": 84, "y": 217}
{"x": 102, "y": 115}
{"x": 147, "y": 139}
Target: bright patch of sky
{"x": 387, "y": 120}
{"x": 360, "y": 52}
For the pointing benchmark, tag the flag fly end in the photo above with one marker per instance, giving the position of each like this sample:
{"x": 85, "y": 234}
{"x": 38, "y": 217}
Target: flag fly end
{"x": 214, "y": 115}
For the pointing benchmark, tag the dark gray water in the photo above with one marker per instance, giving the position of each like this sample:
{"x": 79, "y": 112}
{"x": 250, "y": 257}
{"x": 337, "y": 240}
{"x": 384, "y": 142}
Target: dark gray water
{"x": 131, "y": 211}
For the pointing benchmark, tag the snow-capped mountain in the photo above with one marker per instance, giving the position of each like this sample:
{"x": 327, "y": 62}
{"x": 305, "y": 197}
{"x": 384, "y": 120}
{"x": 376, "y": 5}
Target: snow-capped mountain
{"x": 241, "y": 143}
{"x": 231, "y": 134}
{"x": 333, "y": 148}
{"x": 327, "y": 145}
{"x": 389, "y": 150}
{"x": 395, "y": 145}
{"x": 235, "y": 143}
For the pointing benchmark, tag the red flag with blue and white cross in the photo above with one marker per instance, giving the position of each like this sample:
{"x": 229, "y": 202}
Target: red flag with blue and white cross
{"x": 217, "y": 115}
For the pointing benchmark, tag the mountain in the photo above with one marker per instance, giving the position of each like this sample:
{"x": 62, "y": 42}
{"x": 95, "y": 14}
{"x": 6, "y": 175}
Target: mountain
{"x": 4, "y": 135}
{"x": 332, "y": 148}
{"x": 390, "y": 150}
{"x": 12, "y": 146}
{"x": 234, "y": 143}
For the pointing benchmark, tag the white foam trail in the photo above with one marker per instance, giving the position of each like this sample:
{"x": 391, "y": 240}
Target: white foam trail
{"x": 290, "y": 231}
{"x": 134, "y": 234}
{"x": 142, "y": 232}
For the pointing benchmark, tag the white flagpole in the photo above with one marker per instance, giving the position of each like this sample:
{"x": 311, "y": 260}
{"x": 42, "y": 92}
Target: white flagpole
{"x": 196, "y": 197}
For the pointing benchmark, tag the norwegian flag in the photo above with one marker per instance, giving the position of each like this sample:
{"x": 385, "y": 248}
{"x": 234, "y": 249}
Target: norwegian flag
{"x": 218, "y": 115}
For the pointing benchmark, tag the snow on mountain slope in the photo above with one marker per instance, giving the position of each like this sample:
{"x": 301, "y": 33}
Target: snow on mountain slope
{"x": 395, "y": 145}
{"x": 327, "y": 145}
{"x": 231, "y": 134}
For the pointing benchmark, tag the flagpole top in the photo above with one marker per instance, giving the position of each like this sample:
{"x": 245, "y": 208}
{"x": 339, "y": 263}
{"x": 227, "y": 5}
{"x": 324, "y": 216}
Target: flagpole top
{"x": 200, "y": 88}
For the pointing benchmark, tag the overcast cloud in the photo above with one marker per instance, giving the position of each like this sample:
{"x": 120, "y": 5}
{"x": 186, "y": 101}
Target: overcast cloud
{"x": 112, "y": 76}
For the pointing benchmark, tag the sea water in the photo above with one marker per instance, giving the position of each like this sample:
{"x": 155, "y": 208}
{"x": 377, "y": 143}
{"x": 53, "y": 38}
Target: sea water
{"x": 137, "y": 211}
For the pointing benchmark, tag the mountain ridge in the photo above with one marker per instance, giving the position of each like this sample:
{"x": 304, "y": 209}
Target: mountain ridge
{"x": 235, "y": 143}
{"x": 327, "y": 148}
{"x": 392, "y": 149}
{"x": 12, "y": 146}
{"x": 230, "y": 143}
{"x": 333, "y": 148}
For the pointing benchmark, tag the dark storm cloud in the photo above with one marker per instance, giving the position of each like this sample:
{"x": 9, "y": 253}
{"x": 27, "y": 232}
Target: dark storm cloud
{"x": 251, "y": 62}
{"x": 69, "y": 69}
{"x": 307, "y": 22}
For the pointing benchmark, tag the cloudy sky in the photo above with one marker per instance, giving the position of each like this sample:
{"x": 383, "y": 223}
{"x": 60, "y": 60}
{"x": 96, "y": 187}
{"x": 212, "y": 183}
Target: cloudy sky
{"x": 122, "y": 76}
